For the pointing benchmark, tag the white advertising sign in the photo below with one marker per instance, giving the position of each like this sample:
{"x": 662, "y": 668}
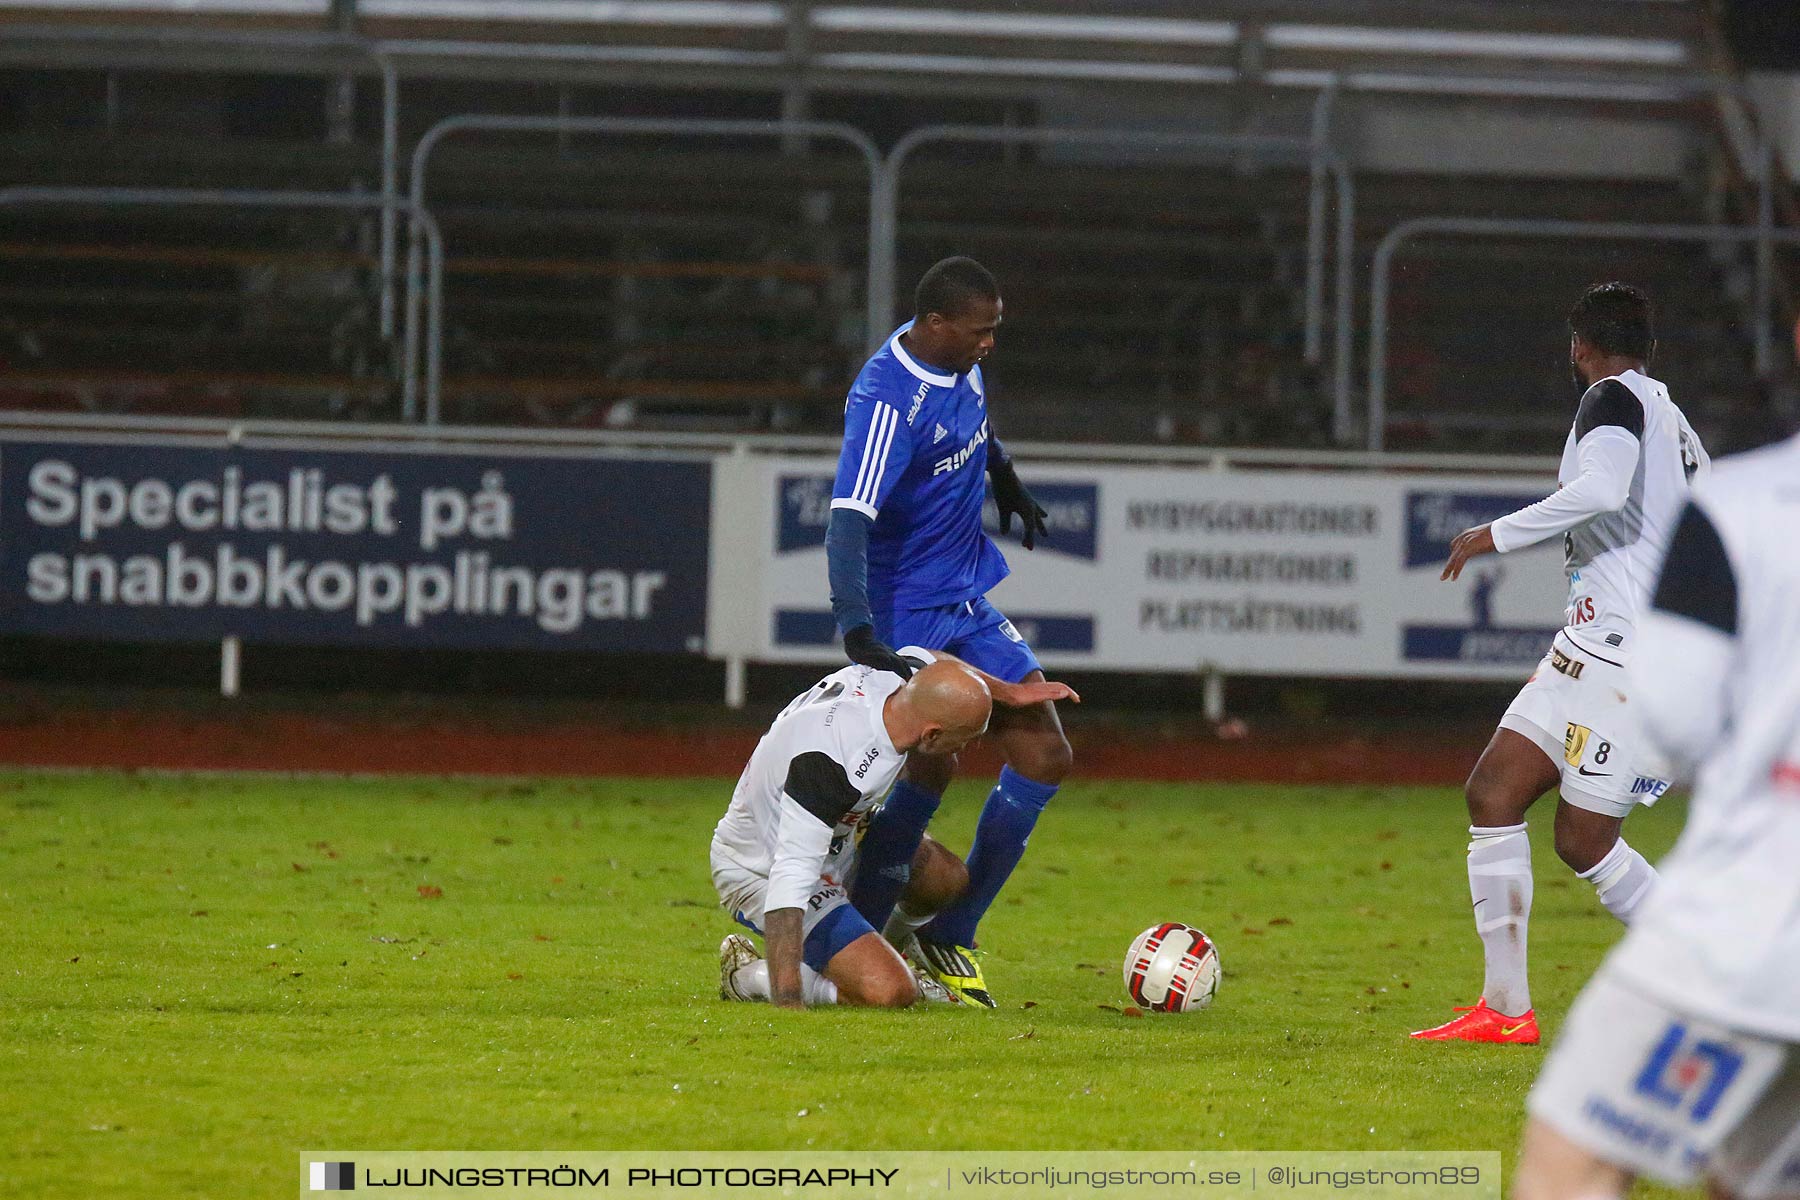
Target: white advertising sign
{"x": 1273, "y": 572}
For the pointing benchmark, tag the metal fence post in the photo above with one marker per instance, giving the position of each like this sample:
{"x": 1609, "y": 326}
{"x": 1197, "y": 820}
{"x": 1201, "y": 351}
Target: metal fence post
{"x": 228, "y": 198}
{"x": 1250, "y": 143}
{"x": 656, "y": 126}
{"x": 1493, "y": 227}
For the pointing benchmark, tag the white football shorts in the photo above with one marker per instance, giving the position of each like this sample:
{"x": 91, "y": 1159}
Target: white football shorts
{"x": 742, "y": 893}
{"x": 1575, "y": 709}
{"x": 1673, "y": 1097}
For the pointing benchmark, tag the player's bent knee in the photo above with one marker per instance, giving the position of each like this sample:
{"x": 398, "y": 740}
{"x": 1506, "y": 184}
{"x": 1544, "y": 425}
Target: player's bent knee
{"x": 870, "y": 974}
{"x": 1045, "y": 758}
{"x": 1582, "y": 842}
{"x": 902, "y": 992}
{"x": 938, "y": 879}
{"x": 932, "y": 772}
{"x": 890, "y": 986}
{"x": 1491, "y": 805}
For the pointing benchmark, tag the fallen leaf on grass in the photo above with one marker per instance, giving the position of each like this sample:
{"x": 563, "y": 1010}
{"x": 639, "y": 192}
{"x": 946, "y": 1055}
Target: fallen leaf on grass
{"x": 1132, "y": 1010}
{"x": 199, "y": 912}
{"x": 1029, "y": 1004}
{"x": 1281, "y": 921}
{"x": 514, "y": 975}
{"x": 540, "y": 937}
{"x": 687, "y": 904}
{"x": 1107, "y": 1007}
{"x": 430, "y": 891}
{"x": 298, "y": 867}
{"x": 1027, "y": 1036}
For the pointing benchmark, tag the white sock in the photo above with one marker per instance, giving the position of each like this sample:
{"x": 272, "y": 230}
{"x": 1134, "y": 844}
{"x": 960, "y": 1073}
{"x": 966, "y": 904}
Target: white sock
{"x": 1623, "y": 879}
{"x": 1500, "y": 887}
{"x": 902, "y": 925}
{"x": 752, "y": 979}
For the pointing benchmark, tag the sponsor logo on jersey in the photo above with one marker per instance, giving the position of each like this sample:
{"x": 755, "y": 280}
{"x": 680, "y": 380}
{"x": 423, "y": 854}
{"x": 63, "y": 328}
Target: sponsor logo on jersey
{"x": 960, "y": 459}
{"x": 1572, "y": 667}
{"x": 819, "y": 899}
{"x": 1575, "y": 742}
{"x": 1009, "y": 632}
{"x": 862, "y": 768}
{"x": 1643, "y": 785}
{"x": 918, "y": 402}
{"x": 1689, "y": 1071}
{"x": 1581, "y": 610}
{"x": 940, "y": 434}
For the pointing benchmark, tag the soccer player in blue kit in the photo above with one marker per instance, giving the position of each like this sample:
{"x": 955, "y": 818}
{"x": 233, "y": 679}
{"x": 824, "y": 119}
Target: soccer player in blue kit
{"x": 910, "y": 564}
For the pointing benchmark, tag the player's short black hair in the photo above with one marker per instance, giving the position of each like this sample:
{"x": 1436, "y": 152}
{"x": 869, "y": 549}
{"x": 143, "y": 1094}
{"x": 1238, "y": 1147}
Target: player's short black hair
{"x": 951, "y": 284}
{"x": 1615, "y": 318}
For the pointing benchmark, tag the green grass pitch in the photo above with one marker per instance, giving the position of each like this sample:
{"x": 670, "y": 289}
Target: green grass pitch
{"x": 203, "y": 975}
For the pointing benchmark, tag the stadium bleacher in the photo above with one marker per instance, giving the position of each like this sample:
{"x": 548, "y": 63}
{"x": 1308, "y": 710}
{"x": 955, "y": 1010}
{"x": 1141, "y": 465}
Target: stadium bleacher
{"x": 720, "y": 286}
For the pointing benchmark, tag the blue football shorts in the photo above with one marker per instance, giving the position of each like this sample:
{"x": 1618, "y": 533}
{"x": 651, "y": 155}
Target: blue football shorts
{"x": 973, "y": 630}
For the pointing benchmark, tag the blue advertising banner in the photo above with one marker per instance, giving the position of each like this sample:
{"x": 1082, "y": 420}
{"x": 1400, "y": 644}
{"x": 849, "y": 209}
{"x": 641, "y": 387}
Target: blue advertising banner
{"x": 1433, "y": 517}
{"x": 389, "y": 547}
{"x": 803, "y": 509}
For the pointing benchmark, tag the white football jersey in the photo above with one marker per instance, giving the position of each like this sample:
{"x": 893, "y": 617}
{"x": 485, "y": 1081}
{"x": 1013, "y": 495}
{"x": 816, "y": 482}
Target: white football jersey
{"x": 824, "y": 763}
{"x": 1717, "y": 678}
{"x": 1626, "y": 469}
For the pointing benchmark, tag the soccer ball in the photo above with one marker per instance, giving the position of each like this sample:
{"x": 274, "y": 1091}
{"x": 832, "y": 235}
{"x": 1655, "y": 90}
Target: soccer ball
{"x": 1172, "y": 968}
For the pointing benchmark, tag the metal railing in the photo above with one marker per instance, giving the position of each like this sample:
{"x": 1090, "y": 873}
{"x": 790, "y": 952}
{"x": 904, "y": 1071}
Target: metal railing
{"x": 1315, "y": 150}
{"x": 372, "y": 53}
{"x": 1322, "y": 159}
{"x": 1385, "y": 250}
{"x": 639, "y": 126}
{"x": 227, "y": 198}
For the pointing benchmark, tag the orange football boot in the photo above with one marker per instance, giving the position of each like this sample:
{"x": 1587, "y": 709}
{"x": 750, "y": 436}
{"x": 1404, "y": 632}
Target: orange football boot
{"x": 1479, "y": 1023}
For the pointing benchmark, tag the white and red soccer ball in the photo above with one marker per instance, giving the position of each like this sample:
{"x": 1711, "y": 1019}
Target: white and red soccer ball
{"x": 1172, "y": 968}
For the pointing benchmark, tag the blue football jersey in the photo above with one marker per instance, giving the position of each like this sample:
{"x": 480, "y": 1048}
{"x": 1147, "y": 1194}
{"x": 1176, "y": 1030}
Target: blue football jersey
{"x": 915, "y": 461}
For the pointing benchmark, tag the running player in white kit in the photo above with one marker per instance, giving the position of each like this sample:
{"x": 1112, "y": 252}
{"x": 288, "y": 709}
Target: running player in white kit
{"x": 1681, "y": 1059}
{"x": 784, "y": 854}
{"x": 1625, "y": 474}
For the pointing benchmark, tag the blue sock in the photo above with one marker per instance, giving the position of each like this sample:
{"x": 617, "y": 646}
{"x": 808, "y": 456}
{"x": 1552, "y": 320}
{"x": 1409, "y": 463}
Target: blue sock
{"x": 884, "y": 859}
{"x": 1007, "y": 819}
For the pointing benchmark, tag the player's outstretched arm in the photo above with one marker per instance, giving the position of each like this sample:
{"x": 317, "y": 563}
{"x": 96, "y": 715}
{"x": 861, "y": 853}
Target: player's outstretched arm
{"x": 847, "y": 563}
{"x": 1012, "y": 695}
{"x": 815, "y": 796}
{"x": 1608, "y": 430}
{"x": 782, "y": 931}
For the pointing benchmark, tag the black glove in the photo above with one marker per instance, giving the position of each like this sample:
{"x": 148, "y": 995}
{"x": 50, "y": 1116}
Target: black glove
{"x": 1011, "y": 498}
{"x": 862, "y": 646}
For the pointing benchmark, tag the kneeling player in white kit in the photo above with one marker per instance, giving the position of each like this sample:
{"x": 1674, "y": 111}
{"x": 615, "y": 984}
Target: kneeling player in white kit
{"x": 1681, "y": 1059}
{"x": 1625, "y": 473}
{"x": 784, "y": 854}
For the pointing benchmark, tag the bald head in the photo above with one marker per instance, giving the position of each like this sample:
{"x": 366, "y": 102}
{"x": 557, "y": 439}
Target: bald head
{"x": 945, "y": 694}
{"x": 941, "y": 708}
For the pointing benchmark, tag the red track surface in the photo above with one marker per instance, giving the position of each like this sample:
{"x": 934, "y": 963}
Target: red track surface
{"x": 440, "y": 743}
